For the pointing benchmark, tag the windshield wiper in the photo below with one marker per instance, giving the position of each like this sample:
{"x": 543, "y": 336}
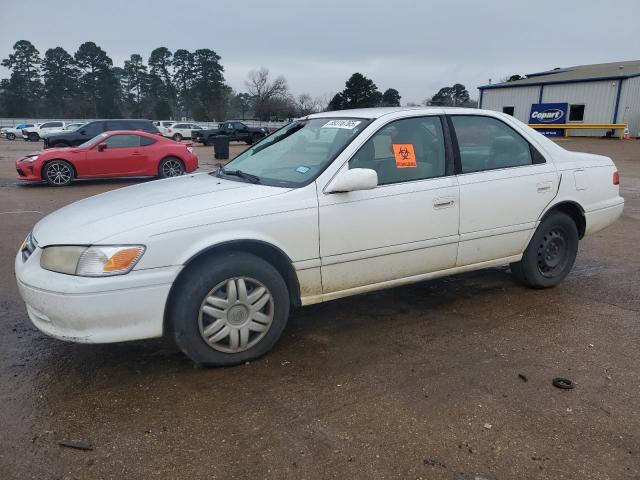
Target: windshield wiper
{"x": 238, "y": 173}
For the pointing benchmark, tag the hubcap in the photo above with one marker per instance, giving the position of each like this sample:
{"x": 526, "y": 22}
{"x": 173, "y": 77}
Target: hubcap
{"x": 58, "y": 173}
{"x": 172, "y": 168}
{"x": 235, "y": 315}
{"x": 552, "y": 253}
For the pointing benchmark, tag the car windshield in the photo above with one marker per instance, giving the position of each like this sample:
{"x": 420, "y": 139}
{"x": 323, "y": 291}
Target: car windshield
{"x": 93, "y": 141}
{"x": 297, "y": 153}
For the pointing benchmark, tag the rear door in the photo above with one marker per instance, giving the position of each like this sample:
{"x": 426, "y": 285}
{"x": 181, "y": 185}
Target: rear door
{"x": 505, "y": 184}
{"x": 123, "y": 155}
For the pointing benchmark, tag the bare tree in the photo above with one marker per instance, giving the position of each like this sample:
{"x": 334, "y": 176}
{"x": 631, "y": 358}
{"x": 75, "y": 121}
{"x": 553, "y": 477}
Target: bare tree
{"x": 322, "y": 102}
{"x": 306, "y": 104}
{"x": 265, "y": 91}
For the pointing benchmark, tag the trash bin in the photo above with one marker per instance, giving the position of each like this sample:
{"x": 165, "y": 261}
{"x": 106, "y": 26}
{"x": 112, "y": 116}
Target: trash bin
{"x": 221, "y": 147}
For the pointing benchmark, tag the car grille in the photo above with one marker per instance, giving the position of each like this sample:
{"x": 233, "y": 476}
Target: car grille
{"x": 20, "y": 172}
{"x": 28, "y": 247}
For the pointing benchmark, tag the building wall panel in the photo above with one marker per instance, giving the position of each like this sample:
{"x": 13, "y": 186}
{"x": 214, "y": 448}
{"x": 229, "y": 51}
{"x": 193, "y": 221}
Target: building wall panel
{"x": 519, "y": 97}
{"x": 629, "y": 110}
{"x": 599, "y": 99}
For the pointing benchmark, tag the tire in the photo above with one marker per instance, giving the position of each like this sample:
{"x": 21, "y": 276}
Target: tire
{"x": 251, "y": 140}
{"x": 34, "y": 137}
{"x": 551, "y": 253}
{"x": 209, "y": 141}
{"x": 11, "y": 136}
{"x": 211, "y": 323}
{"x": 177, "y": 137}
{"x": 58, "y": 173}
{"x": 170, "y": 167}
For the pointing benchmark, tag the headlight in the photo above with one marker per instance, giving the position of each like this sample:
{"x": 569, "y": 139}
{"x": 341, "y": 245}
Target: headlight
{"x": 94, "y": 261}
{"x": 31, "y": 158}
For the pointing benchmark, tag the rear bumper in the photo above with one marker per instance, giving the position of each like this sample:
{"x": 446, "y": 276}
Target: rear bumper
{"x": 603, "y": 217}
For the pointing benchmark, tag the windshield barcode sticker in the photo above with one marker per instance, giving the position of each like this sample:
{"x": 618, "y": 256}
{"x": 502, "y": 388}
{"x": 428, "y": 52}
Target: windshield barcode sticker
{"x": 348, "y": 124}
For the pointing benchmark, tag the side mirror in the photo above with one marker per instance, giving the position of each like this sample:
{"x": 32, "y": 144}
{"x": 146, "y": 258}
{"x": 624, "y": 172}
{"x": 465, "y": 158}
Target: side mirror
{"x": 354, "y": 179}
{"x": 102, "y": 147}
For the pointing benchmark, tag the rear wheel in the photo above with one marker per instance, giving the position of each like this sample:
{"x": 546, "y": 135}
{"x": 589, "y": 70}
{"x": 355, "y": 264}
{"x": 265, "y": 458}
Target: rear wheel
{"x": 550, "y": 254}
{"x": 11, "y": 136}
{"x": 58, "y": 173}
{"x": 170, "y": 167}
{"x": 229, "y": 309}
{"x": 34, "y": 137}
{"x": 177, "y": 137}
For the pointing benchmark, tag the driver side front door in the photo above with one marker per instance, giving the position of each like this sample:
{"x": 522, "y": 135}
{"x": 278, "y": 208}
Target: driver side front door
{"x": 405, "y": 227}
{"x": 123, "y": 155}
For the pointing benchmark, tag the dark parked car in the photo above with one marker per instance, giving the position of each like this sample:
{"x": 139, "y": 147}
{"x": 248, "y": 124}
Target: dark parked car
{"x": 91, "y": 129}
{"x": 236, "y": 131}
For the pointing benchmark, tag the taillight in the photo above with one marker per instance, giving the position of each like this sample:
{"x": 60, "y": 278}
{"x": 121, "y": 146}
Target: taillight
{"x": 616, "y": 178}
{"x": 189, "y": 149}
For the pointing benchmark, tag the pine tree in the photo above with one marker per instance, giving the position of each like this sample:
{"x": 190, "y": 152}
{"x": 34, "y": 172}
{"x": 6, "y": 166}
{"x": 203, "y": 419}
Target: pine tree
{"x": 22, "y": 91}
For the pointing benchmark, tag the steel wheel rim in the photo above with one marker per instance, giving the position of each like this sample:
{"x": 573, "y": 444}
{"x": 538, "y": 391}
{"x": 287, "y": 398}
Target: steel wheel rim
{"x": 236, "y": 315}
{"x": 58, "y": 173}
{"x": 172, "y": 168}
{"x": 553, "y": 253}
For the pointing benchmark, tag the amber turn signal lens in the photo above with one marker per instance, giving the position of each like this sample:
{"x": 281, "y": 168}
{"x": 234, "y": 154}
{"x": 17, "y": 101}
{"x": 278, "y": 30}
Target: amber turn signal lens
{"x": 122, "y": 260}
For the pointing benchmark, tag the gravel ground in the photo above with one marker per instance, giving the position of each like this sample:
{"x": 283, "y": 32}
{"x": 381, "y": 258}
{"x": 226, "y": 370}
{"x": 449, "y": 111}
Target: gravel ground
{"x": 420, "y": 381}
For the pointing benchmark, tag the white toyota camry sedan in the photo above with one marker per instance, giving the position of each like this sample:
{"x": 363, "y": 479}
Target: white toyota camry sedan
{"x": 335, "y": 204}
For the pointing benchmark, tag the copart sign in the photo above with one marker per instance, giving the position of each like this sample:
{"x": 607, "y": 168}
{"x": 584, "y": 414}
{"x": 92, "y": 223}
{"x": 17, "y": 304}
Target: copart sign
{"x": 548, "y": 113}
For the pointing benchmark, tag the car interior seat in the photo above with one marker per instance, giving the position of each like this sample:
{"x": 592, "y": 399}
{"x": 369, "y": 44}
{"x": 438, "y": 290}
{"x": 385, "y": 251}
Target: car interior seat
{"x": 506, "y": 151}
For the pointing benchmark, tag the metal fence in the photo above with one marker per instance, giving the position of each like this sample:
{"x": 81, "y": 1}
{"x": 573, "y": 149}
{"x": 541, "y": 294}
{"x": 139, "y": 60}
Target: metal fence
{"x": 12, "y": 122}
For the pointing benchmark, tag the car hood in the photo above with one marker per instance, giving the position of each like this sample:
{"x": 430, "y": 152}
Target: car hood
{"x": 96, "y": 218}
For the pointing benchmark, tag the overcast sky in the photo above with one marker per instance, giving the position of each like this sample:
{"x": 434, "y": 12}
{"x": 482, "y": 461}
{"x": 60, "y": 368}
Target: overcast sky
{"x": 413, "y": 46}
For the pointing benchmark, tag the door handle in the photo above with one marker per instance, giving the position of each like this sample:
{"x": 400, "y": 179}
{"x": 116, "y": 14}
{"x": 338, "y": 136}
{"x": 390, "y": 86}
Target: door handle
{"x": 135, "y": 153}
{"x": 544, "y": 187}
{"x": 444, "y": 202}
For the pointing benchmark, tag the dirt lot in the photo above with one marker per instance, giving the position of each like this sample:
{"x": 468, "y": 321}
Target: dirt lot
{"x": 416, "y": 382}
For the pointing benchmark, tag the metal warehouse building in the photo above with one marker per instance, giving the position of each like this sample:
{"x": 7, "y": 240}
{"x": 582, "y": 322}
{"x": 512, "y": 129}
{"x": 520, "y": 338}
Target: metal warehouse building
{"x": 589, "y": 94}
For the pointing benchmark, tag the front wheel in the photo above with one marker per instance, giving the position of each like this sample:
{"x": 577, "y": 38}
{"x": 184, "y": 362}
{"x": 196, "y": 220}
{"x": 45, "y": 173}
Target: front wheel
{"x": 170, "y": 167}
{"x": 177, "y": 137}
{"x": 229, "y": 309}
{"x": 550, "y": 254}
{"x": 11, "y": 136}
{"x": 34, "y": 137}
{"x": 58, "y": 173}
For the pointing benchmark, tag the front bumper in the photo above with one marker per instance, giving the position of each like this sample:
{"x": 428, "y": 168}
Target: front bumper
{"x": 94, "y": 310}
{"x": 28, "y": 171}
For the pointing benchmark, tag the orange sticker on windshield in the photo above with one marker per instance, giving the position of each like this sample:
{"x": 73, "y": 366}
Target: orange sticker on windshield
{"x": 405, "y": 156}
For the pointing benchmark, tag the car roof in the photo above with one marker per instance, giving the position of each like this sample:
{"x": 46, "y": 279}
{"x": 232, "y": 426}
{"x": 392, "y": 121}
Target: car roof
{"x": 377, "y": 112}
{"x": 155, "y": 136}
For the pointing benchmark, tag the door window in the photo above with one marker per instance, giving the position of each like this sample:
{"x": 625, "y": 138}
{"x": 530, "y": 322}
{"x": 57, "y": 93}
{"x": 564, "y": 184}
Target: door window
{"x": 404, "y": 150}
{"x": 123, "y": 141}
{"x": 486, "y": 143}
{"x": 92, "y": 129}
{"x": 146, "y": 141}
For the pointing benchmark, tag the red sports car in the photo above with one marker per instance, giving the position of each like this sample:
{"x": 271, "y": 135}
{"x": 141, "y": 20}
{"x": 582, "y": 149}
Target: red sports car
{"x": 118, "y": 153}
